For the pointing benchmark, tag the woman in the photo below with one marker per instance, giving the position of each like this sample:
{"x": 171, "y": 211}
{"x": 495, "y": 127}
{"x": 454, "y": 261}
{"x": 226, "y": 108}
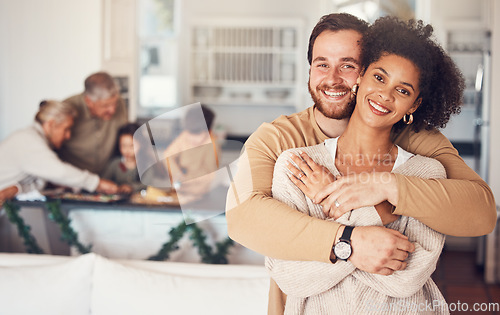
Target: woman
{"x": 28, "y": 160}
{"x": 406, "y": 79}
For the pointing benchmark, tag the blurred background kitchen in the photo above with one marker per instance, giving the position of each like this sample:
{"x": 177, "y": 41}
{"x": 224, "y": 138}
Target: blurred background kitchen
{"x": 244, "y": 59}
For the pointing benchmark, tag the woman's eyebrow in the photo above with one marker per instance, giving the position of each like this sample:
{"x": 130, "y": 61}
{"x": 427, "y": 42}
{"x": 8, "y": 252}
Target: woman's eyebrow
{"x": 402, "y": 82}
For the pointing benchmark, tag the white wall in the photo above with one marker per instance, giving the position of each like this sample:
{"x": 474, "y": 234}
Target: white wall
{"x": 494, "y": 169}
{"x": 243, "y": 120}
{"x": 47, "y": 49}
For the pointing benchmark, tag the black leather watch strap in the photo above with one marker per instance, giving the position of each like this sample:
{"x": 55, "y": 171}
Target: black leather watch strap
{"x": 346, "y": 235}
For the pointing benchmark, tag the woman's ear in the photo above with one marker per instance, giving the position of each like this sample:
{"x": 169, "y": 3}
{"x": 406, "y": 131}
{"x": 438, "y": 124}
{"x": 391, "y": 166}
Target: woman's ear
{"x": 416, "y": 104}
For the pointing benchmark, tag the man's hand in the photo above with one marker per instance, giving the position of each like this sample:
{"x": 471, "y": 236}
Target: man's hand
{"x": 107, "y": 187}
{"x": 125, "y": 189}
{"x": 356, "y": 191}
{"x": 379, "y": 250}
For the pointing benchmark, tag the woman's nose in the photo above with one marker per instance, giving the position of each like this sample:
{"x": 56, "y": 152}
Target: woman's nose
{"x": 385, "y": 94}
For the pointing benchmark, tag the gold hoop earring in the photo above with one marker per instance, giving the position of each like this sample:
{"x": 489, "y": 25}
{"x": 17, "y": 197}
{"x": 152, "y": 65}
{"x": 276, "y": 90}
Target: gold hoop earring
{"x": 409, "y": 120}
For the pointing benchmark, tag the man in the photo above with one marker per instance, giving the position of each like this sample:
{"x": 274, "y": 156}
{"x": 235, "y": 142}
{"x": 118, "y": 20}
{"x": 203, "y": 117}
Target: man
{"x": 100, "y": 114}
{"x": 28, "y": 160}
{"x": 462, "y": 205}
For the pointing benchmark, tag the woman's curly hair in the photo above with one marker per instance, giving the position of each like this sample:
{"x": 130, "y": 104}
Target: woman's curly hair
{"x": 441, "y": 83}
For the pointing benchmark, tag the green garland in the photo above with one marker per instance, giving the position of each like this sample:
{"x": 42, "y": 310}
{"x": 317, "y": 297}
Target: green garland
{"x": 23, "y": 229}
{"x": 176, "y": 233}
{"x": 198, "y": 237}
{"x": 206, "y": 253}
{"x": 68, "y": 235}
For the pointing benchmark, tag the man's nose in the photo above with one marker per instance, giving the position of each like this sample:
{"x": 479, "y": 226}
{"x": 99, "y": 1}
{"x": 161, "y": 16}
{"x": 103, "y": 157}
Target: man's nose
{"x": 334, "y": 76}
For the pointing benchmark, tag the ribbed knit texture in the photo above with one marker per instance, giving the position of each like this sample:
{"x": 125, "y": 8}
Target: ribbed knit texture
{"x": 319, "y": 288}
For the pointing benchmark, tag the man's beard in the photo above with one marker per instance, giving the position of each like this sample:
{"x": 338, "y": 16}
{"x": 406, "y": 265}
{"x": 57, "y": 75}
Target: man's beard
{"x": 333, "y": 111}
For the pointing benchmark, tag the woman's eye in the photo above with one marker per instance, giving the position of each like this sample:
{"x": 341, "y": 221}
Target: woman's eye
{"x": 403, "y": 91}
{"x": 379, "y": 78}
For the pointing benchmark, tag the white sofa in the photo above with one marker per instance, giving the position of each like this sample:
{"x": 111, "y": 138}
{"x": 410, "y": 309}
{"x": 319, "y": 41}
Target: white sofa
{"x": 91, "y": 284}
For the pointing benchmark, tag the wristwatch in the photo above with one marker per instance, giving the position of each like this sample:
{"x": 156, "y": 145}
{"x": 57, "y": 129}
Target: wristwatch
{"x": 343, "y": 249}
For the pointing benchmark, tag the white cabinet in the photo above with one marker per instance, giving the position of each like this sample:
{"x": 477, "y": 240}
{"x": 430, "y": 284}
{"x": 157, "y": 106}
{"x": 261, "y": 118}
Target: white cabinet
{"x": 120, "y": 47}
{"x": 464, "y": 16}
{"x": 246, "y": 62}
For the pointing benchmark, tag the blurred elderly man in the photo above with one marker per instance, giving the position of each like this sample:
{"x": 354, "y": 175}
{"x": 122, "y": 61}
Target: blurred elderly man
{"x": 28, "y": 160}
{"x": 100, "y": 114}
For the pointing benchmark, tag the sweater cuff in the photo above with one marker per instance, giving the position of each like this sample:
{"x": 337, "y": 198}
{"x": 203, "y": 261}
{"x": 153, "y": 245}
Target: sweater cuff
{"x": 92, "y": 182}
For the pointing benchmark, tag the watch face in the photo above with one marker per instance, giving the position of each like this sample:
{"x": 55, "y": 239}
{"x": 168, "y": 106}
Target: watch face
{"x": 342, "y": 250}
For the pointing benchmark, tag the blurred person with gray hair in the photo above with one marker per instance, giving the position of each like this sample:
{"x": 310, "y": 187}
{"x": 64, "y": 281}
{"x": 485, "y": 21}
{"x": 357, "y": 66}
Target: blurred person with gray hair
{"x": 28, "y": 160}
{"x": 101, "y": 112}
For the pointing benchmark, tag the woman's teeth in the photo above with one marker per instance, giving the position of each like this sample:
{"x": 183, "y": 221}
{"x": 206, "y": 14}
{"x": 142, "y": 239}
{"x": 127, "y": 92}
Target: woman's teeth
{"x": 377, "y": 107}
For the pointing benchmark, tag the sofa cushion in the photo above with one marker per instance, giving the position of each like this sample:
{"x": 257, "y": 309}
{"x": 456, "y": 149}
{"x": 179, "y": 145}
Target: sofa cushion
{"x": 62, "y": 287}
{"x": 176, "y": 288}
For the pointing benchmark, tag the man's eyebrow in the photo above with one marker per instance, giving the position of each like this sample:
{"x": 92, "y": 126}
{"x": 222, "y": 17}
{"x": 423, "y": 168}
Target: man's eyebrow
{"x": 319, "y": 59}
{"x": 350, "y": 59}
{"x": 345, "y": 59}
{"x": 402, "y": 82}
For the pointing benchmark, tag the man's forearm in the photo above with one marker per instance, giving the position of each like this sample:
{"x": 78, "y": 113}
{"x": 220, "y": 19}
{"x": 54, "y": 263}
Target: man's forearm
{"x": 452, "y": 207}
{"x": 462, "y": 205}
{"x": 273, "y": 229}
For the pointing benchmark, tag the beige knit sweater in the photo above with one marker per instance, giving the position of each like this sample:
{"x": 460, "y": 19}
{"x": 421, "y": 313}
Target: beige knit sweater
{"x": 320, "y": 288}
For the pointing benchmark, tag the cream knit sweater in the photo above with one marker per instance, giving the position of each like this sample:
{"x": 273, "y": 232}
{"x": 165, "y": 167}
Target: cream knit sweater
{"x": 320, "y": 288}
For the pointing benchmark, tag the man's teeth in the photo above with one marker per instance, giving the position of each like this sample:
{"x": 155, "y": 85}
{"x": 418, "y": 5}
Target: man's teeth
{"x": 335, "y": 94}
{"x": 377, "y": 107}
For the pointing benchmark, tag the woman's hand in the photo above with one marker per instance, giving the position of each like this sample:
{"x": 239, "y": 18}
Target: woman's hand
{"x": 107, "y": 187}
{"x": 356, "y": 191}
{"x": 310, "y": 177}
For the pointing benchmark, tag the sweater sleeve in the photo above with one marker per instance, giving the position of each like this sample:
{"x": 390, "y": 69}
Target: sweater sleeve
{"x": 421, "y": 263}
{"x": 428, "y": 243}
{"x": 462, "y": 205}
{"x": 266, "y": 225}
{"x": 38, "y": 159}
{"x": 301, "y": 278}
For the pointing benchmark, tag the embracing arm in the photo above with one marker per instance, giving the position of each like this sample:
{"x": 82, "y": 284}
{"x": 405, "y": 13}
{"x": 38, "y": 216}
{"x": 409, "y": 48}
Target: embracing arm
{"x": 420, "y": 264}
{"x": 462, "y": 205}
{"x": 266, "y": 225}
{"x": 301, "y": 278}
{"x": 39, "y": 160}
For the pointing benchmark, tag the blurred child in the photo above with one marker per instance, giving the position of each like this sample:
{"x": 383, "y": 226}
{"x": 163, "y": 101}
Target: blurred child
{"x": 191, "y": 158}
{"x": 123, "y": 169}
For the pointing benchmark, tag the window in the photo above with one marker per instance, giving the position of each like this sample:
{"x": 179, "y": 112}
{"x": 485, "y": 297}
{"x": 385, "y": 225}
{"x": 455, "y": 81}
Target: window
{"x": 158, "y": 55}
